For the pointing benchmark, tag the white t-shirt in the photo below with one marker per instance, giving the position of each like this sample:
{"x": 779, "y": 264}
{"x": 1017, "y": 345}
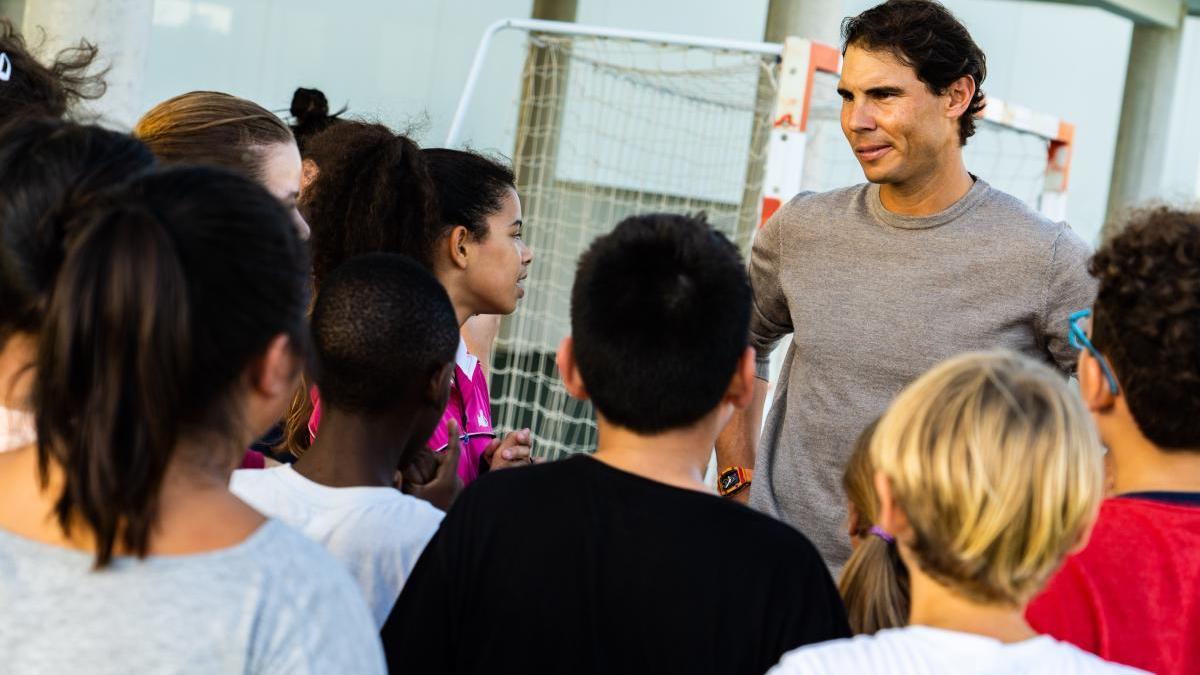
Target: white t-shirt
{"x": 921, "y": 650}
{"x": 377, "y": 532}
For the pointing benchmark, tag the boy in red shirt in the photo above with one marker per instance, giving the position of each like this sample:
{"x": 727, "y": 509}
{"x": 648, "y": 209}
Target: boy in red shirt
{"x": 1133, "y": 594}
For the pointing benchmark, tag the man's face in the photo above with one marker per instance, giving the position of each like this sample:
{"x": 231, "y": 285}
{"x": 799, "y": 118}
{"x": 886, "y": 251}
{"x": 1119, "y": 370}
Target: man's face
{"x": 898, "y": 129}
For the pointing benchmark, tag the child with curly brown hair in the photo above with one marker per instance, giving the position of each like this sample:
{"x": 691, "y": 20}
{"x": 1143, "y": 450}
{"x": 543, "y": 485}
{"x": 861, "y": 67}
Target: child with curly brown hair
{"x": 1132, "y": 595}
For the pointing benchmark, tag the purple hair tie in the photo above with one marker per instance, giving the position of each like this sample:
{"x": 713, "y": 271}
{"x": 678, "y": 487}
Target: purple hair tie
{"x": 878, "y": 532}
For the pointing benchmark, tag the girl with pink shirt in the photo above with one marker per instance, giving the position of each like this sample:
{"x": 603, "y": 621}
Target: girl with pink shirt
{"x": 458, "y": 213}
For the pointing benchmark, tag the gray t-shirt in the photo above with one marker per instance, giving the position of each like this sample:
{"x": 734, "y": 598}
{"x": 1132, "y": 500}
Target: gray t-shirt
{"x": 275, "y": 603}
{"x": 873, "y": 300}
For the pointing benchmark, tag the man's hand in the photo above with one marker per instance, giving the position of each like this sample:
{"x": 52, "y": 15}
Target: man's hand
{"x": 431, "y": 476}
{"x": 512, "y": 450}
{"x": 737, "y": 444}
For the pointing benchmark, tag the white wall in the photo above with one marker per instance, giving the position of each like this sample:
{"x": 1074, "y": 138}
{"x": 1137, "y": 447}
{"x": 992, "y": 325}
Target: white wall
{"x": 401, "y": 62}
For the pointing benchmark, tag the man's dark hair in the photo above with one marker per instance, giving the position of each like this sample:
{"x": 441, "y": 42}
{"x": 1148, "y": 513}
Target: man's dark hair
{"x": 929, "y": 39}
{"x": 660, "y": 315}
{"x": 382, "y": 325}
{"x": 1146, "y": 321}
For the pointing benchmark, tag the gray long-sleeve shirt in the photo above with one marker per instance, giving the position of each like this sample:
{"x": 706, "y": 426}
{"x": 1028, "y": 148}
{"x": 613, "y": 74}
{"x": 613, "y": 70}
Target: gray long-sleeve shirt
{"x": 874, "y": 299}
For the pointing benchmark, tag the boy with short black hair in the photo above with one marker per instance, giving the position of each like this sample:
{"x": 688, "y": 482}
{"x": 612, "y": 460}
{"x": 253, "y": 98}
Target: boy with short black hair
{"x": 625, "y": 562}
{"x": 1133, "y": 595}
{"x": 384, "y": 335}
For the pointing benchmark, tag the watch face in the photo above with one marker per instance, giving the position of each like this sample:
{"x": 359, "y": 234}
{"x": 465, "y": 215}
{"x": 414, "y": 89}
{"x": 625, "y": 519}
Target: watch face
{"x": 729, "y": 479}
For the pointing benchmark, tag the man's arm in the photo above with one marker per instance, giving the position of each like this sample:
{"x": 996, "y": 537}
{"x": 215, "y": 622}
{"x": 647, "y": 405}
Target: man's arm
{"x": 1069, "y": 288}
{"x": 738, "y": 443}
{"x": 770, "y": 319}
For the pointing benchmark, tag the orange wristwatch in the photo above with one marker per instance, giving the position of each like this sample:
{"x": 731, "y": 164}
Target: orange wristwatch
{"x": 733, "y": 480}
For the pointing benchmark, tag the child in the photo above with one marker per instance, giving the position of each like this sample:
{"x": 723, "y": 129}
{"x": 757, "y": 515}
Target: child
{"x": 211, "y": 127}
{"x": 384, "y": 334}
{"x": 47, "y": 167}
{"x": 455, "y": 212}
{"x": 986, "y": 473}
{"x": 874, "y": 582}
{"x": 625, "y": 561}
{"x": 173, "y": 336}
{"x": 1133, "y": 595}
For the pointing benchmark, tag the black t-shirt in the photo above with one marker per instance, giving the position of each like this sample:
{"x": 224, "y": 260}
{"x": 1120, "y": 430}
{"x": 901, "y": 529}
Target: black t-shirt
{"x": 578, "y": 567}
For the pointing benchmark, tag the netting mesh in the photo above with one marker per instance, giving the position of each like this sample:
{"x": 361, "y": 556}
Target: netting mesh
{"x": 608, "y": 128}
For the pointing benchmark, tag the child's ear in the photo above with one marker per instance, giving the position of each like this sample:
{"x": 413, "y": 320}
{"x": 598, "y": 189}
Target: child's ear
{"x": 741, "y": 386}
{"x": 437, "y": 390}
{"x": 456, "y": 245}
{"x": 275, "y": 373}
{"x": 568, "y": 370}
{"x": 1093, "y": 385}
{"x": 892, "y": 517}
{"x": 308, "y": 173}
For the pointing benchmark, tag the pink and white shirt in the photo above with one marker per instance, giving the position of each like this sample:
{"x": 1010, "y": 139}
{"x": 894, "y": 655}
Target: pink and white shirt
{"x": 469, "y": 404}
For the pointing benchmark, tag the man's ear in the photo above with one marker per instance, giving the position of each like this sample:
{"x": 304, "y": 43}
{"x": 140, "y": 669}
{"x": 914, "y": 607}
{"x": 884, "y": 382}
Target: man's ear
{"x": 568, "y": 370}
{"x": 892, "y": 518}
{"x": 960, "y": 92}
{"x": 1093, "y": 385}
{"x": 437, "y": 390}
{"x": 741, "y": 386}
{"x": 274, "y": 374}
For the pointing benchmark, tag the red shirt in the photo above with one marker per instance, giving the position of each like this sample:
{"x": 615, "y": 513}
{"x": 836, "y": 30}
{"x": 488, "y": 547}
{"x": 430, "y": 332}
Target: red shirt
{"x": 1133, "y": 594}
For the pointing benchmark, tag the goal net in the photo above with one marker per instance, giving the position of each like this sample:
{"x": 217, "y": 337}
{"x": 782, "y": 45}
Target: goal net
{"x": 609, "y": 126}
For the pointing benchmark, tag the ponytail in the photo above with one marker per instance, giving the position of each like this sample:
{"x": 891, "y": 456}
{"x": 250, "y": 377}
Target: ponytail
{"x": 170, "y": 289}
{"x": 372, "y": 194}
{"x": 117, "y": 334}
{"x": 874, "y": 584}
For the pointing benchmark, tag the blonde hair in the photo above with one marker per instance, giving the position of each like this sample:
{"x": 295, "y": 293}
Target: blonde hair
{"x": 211, "y": 127}
{"x": 874, "y": 582}
{"x": 995, "y": 463}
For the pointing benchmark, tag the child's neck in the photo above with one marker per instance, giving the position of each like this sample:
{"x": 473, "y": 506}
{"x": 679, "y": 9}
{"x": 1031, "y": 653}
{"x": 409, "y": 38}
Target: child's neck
{"x": 352, "y": 451}
{"x": 677, "y": 457}
{"x": 1138, "y": 465}
{"x": 937, "y": 606}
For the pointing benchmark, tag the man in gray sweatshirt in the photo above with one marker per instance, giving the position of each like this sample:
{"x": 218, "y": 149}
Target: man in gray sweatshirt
{"x": 880, "y": 281}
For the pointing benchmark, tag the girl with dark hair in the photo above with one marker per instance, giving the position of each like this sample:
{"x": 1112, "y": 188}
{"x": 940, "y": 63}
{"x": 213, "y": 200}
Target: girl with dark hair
{"x": 458, "y": 214}
{"x": 28, "y": 88}
{"x": 47, "y": 168}
{"x": 174, "y": 335}
{"x": 211, "y": 127}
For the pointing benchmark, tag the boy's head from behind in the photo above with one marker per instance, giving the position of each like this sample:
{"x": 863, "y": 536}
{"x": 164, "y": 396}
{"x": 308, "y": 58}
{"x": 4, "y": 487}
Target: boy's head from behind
{"x": 385, "y": 334}
{"x": 989, "y": 473}
{"x": 1146, "y": 324}
{"x": 660, "y": 316}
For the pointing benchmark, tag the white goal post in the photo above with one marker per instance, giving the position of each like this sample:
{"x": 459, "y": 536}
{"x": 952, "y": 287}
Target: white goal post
{"x": 614, "y": 122}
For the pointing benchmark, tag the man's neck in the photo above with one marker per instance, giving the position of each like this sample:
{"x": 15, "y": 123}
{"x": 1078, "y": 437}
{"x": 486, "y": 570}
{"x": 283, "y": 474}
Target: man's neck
{"x": 1139, "y": 465}
{"x": 930, "y": 193}
{"x": 352, "y": 451}
{"x": 678, "y": 457}
{"x": 936, "y": 606}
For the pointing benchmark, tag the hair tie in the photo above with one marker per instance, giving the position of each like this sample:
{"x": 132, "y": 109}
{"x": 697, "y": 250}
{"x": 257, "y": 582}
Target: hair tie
{"x": 5, "y": 67}
{"x": 878, "y": 532}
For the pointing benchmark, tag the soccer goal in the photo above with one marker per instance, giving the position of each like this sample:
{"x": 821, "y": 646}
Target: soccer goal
{"x": 610, "y": 123}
